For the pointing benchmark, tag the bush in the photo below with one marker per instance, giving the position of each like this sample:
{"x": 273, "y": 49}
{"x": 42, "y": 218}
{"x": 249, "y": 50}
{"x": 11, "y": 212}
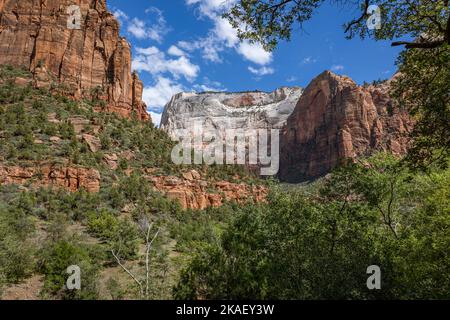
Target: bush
{"x": 57, "y": 258}
{"x": 120, "y": 234}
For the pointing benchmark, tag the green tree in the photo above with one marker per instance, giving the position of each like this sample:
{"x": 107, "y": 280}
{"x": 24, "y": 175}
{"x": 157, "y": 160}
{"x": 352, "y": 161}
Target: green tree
{"x": 57, "y": 257}
{"x": 317, "y": 243}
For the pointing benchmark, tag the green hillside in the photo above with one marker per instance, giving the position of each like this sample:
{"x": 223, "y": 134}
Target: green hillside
{"x": 309, "y": 241}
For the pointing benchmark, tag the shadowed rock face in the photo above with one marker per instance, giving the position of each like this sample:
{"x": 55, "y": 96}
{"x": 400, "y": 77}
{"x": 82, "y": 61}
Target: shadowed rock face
{"x": 336, "y": 119}
{"x": 34, "y": 34}
{"x": 221, "y": 111}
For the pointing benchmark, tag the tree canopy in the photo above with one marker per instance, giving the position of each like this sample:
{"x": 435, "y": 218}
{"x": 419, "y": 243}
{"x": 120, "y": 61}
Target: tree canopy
{"x": 268, "y": 21}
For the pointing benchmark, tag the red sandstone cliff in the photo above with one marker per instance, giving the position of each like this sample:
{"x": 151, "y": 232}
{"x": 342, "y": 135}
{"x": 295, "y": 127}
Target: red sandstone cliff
{"x": 337, "y": 119}
{"x": 70, "y": 178}
{"x": 194, "y": 192}
{"x": 34, "y": 34}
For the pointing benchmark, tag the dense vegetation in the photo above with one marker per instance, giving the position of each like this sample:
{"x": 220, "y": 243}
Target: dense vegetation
{"x": 312, "y": 241}
{"x": 317, "y": 242}
{"x": 43, "y": 231}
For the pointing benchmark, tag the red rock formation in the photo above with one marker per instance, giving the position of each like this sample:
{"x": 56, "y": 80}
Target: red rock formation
{"x": 35, "y": 34}
{"x": 70, "y": 178}
{"x": 337, "y": 119}
{"x": 194, "y": 193}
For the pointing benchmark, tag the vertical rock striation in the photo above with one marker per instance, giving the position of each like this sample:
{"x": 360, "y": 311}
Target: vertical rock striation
{"x": 93, "y": 59}
{"x": 336, "y": 119}
{"x": 220, "y": 111}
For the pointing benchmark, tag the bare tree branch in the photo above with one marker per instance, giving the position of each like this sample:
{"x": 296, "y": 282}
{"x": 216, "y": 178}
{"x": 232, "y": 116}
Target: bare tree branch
{"x": 356, "y": 21}
{"x": 418, "y": 45}
{"x": 129, "y": 272}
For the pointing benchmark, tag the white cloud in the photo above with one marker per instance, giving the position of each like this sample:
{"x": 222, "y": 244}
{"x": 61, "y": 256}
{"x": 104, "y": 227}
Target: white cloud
{"x": 255, "y": 53}
{"x": 175, "y": 51}
{"x": 158, "y": 27}
{"x": 156, "y": 118}
{"x": 148, "y": 51}
{"x": 156, "y": 30}
{"x": 211, "y": 8}
{"x": 225, "y": 32}
{"x": 210, "y": 48}
{"x": 153, "y": 61}
{"x": 158, "y": 95}
{"x": 137, "y": 28}
{"x": 120, "y": 15}
{"x": 261, "y": 71}
{"x": 223, "y": 35}
{"x": 188, "y": 46}
{"x": 337, "y": 67}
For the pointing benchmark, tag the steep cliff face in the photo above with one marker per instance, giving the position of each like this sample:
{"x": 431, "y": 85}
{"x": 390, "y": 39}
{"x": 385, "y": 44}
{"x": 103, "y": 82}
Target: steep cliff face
{"x": 222, "y": 111}
{"x": 94, "y": 58}
{"x": 336, "y": 119}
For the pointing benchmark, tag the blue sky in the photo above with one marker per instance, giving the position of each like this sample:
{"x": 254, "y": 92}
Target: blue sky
{"x": 184, "y": 45}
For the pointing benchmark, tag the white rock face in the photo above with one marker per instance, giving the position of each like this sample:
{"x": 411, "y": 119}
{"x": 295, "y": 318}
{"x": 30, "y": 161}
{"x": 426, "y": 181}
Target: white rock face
{"x": 221, "y": 111}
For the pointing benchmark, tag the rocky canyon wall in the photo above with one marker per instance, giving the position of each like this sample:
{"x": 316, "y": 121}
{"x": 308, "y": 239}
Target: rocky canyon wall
{"x": 336, "y": 119}
{"x": 34, "y": 34}
{"x": 220, "y": 111}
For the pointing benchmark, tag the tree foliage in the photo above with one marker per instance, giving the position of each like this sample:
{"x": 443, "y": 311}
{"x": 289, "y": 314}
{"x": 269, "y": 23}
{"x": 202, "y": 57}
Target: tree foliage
{"x": 318, "y": 244}
{"x": 269, "y": 21}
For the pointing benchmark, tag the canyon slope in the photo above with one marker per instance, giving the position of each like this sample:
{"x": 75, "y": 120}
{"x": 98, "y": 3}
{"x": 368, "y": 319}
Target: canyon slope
{"x": 336, "y": 119}
{"x": 221, "y": 111}
{"x": 92, "y": 61}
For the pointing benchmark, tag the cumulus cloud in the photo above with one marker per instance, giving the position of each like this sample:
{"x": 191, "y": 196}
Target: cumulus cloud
{"x": 155, "y": 62}
{"x": 223, "y": 35}
{"x": 157, "y": 95}
{"x": 211, "y": 8}
{"x": 175, "y": 51}
{"x": 156, "y": 30}
{"x": 261, "y": 71}
{"x": 225, "y": 32}
{"x": 137, "y": 28}
{"x": 120, "y": 15}
{"x": 255, "y": 53}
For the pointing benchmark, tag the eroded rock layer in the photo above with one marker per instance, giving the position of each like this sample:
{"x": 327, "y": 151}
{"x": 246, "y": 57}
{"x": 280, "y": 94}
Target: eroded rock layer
{"x": 192, "y": 191}
{"x": 69, "y": 178}
{"x": 93, "y": 59}
{"x": 336, "y": 119}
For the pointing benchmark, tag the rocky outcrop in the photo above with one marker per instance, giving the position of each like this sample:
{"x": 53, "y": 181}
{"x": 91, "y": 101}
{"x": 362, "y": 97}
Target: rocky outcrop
{"x": 220, "y": 111}
{"x": 70, "y": 178}
{"x": 336, "y": 119}
{"x": 193, "y": 192}
{"x": 91, "y": 61}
